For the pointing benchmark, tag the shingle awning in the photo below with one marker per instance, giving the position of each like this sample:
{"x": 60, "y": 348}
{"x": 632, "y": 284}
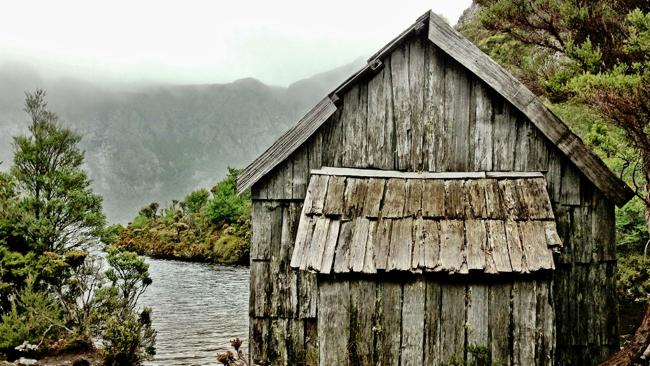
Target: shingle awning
{"x": 370, "y": 221}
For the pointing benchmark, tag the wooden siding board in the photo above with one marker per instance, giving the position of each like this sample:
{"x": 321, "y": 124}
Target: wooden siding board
{"x": 401, "y": 245}
{"x": 363, "y": 295}
{"x": 483, "y": 139}
{"x": 434, "y": 127}
{"x": 399, "y": 62}
{"x": 416, "y": 70}
{"x": 524, "y": 322}
{"x": 457, "y": 102}
{"x": 389, "y": 321}
{"x": 260, "y": 289}
{"x": 333, "y": 322}
{"x": 432, "y": 332}
{"x": 476, "y": 238}
{"x": 343, "y": 248}
{"x": 478, "y": 335}
{"x": 413, "y": 323}
{"x": 451, "y": 244}
{"x": 499, "y": 321}
{"x": 452, "y": 322}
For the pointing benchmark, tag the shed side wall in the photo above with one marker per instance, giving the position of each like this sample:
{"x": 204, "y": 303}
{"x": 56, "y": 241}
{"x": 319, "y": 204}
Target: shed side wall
{"x": 423, "y": 111}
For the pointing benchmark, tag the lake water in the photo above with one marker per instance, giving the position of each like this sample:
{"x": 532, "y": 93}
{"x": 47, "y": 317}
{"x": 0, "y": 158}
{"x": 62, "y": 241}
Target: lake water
{"x": 197, "y": 309}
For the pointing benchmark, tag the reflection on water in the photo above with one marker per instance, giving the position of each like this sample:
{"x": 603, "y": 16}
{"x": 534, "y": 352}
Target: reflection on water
{"x": 197, "y": 308}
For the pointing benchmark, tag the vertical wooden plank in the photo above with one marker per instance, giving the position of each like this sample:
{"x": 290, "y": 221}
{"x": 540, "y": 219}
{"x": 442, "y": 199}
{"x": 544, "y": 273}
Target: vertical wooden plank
{"x": 504, "y": 137}
{"x": 434, "y": 127}
{"x": 261, "y": 232}
{"x": 500, "y": 323}
{"x": 333, "y": 322}
{"x": 452, "y": 239}
{"x": 332, "y": 140}
{"x": 259, "y": 343}
{"x": 311, "y": 342}
{"x": 343, "y": 248}
{"x": 358, "y": 244}
{"x": 374, "y": 196}
{"x": 515, "y": 248}
{"x": 457, "y": 108}
{"x": 554, "y": 174}
{"x": 537, "y": 151}
{"x": 363, "y": 297}
{"x": 394, "y": 199}
{"x": 433, "y": 198}
{"x": 545, "y": 317}
{"x": 524, "y": 322}
{"x": 413, "y": 204}
{"x": 524, "y": 132}
{"x": 307, "y": 295}
{"x": 401, "y": 245}
{"x": 330, "y": 247}
{"x": 317, "y": 247}
{"x": 354, "y": 133}
{"x": 413, "y": 323}
{"x": 335, "y": 196}
{"x": 452, "y": 323}
{"x": 389, "y": 321}
{"x": 300, "y": 172}
{"x": 382, "y": 246}
{"x": 570, "y": 184}
{"x": 355, "y": 195}
{"x": 431, "y": 243}
{"x": 433, "y": 353}
{"x": 284, "y": 297}
{"x": 278, "y": 344}
{"x": 603, "y": 223}
{"x": 484, "y": 126}
{"x": 317, "y": 192}
{"x": 455, "y": 199}
{"x": 380, "y": 127}
{"x": 260, "y": 289}
{"x": 295, "y": 341}
{"x": 478, "y": 335}
{"x": 498, "y": 246}
{"x": 476, "y": 239}
{"x": 416, "y": 71}
{"x": 369, "y": 258}
{"x": 315, "y": 145}
{"x": 399, "y": 64}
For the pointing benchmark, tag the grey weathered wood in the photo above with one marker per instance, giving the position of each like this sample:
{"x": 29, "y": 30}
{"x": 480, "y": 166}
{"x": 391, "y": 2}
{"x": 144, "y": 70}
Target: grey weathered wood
{"x": 478, "y": 335}
{"x": 334, "y": 196}
{"x": 515, "y": 248}
{"x": 455, "y": 199}
{"x": 358, "y": 244}
{"x": 504, "y": 137}
{"x": 493, "y": 200}
{"x": 431, "y": 243}
{"x": 311, "y": 341}
{"x": 284, "y": 296}
{"x": 354, "y": 128}
{"x": 382, "y": 243}
{"x": 545, "y": 317}
{"x": 499, "y": 321}
{"x": 369, "y": 257}
{"x": 416, "y": 70}
{"x": 457, "y": 108}
{"x": 260, "y": 289}
{"x": 380, "y": 124}
{"x": 317, "y": 191}
{"x": 307, "y": 295}
{"x": 570, "y": 185}
{"x": 303, "y": 240}
{"x": 603, "y": 223}
{"x": 300, "y": 173}
{"x": 476, "y": 239}
{"x": 401, "y": 245}
{"x": 475, "y": 195}
{"x": 389, "y": 321}
{"x": 394, "y": 198}
{"x": 259, "y": 343}
{"x": 402, "y": 106}
{"x": 355, "y": 195}
{"x": 318, "y": 240}
{"x": 413, "y": 309}
{"x": 343, "y": 248}
{"x": 452, "y": 322}
{"x": 537, "y": 254}
{"x": 374, "y": 173}
{"x": 363, "y": 299}
{"x": 413, "y": 197}
{"x": 451, "y": 244}
{"x": 330, "y": 247}
{"x": 512, "y": 200}
{"x": 333, "y": 322}
{"x": 433, "y": 199}
{"x": 278, "y": 341}
{"x": 522, "y": 143}
{"x": 524, "y": 322}
{"x": 484, "y": 128}
{"x": 374, "y": 196}
{"x": 498, "y": 246}
{"x": 434, "y": 128}
{"x": 433, "y": 352}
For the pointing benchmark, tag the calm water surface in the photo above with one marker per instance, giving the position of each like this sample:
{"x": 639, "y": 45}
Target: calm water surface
{"x": 197, "y": 308}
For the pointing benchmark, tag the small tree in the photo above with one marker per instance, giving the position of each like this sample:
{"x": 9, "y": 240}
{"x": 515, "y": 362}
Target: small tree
{"x": 58, "y": 209}
{"x": 195, "y": 201}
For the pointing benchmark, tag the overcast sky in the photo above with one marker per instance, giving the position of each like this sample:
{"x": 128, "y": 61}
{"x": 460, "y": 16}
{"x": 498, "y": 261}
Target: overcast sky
{"x": 192, "y": 41}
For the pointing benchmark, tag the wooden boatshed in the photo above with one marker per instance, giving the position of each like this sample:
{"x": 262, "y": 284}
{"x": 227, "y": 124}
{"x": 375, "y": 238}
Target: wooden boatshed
{"x": 432, "y": 210}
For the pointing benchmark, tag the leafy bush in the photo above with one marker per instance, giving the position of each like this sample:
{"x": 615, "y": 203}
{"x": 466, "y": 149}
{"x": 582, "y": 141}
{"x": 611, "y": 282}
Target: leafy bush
{"x": 226, "y": 205}
{"x": 195, "y": 201}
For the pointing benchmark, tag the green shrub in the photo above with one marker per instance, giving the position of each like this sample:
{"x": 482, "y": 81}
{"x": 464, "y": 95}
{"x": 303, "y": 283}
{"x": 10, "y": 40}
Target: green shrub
{"x": 226, "y": 205}
{"x": 195, "y": 201}
{"x": 231, "y": 249}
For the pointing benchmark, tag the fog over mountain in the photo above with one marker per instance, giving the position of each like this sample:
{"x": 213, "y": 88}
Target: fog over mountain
{"x": 147, "y": 143}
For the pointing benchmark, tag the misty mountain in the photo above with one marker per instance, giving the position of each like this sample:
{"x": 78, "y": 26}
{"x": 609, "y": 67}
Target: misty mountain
{"x": 158, "y": 142}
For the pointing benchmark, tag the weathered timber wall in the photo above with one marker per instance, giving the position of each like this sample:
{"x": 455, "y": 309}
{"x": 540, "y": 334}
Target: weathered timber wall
{"x": 428, "y": 321}
{"x": 423, "y": 111}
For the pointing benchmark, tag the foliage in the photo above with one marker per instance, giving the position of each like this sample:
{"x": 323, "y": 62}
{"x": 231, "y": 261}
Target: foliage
{"x": 229, "y": 358}
{"x": 57, "y": 208}
{"x": 226, "y": 205}
{"x": 196, "y": 200}
{"x": 213, "y": 227}
{"x": 34, "y": 317}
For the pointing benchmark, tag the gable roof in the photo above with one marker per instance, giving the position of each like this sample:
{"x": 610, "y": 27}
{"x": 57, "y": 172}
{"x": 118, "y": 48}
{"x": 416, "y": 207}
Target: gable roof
{"x": 374, "y": 221}
{"x": 482, "y": 66}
